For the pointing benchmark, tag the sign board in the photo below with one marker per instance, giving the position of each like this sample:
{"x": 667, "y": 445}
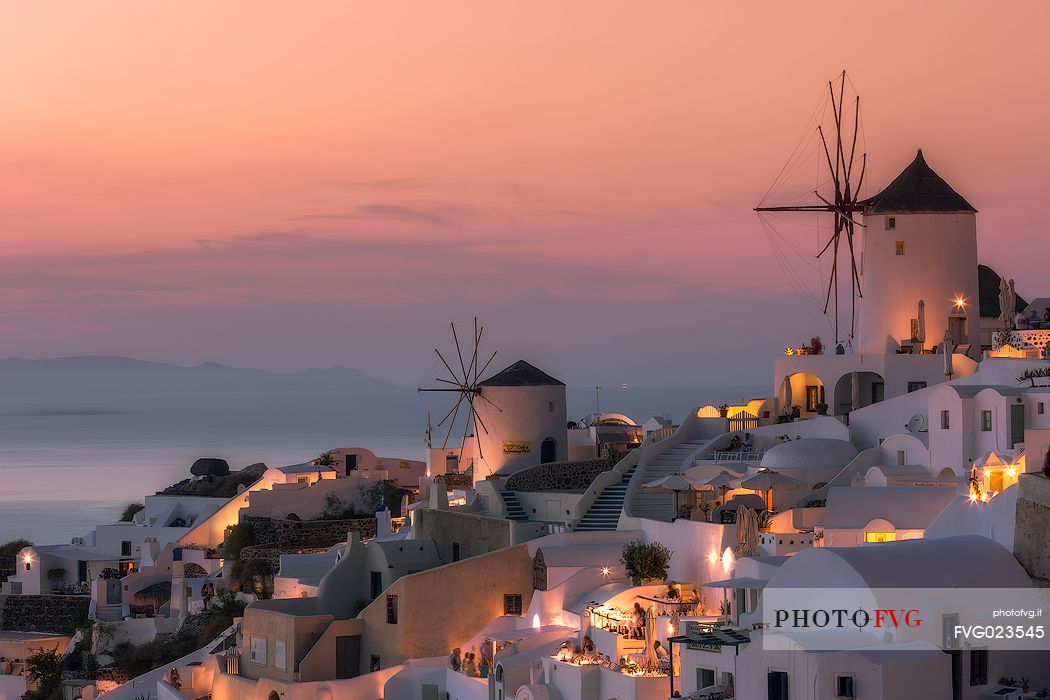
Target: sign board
{"x": 516, "y": 448}
{"x": 405, "y": 464}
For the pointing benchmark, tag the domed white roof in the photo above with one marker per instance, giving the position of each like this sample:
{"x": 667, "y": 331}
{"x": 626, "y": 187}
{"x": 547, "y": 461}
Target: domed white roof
{"x": 809, "y": 453}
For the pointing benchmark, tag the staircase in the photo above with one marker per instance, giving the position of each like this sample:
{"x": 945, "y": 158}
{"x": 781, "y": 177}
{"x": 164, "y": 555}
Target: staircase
{"x": 513, "y": 506}
{"x": 604, "y": 513}
{"x": 657, "y": 505}
{"x": 109, "y": 613}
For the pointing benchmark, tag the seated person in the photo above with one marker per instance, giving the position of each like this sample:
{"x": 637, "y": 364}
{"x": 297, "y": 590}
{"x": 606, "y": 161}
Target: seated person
{"x": 663, "y": 661}
{"x": 734, "y": 443}
{"x": 672, "y": 592}
{"x": 815, "y": 346}
{"x": 588, "y": 646}
{"x": 749, "y": 442}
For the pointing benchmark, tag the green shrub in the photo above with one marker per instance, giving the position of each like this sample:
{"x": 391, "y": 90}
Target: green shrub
{"x": 238, "y": 537}
{"x": 129, "y": 512}
{"x": 646, "y": 561}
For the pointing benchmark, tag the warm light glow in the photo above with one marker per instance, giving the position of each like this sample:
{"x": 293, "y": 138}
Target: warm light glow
{"x": 27, "y": 558}
{"x": 713, "y": 557}
{"x": 727, "y": 560}
{"x": 973, "y": 497}
{"x": 984, "y": 497}
{"x": 987, "y": 473}
{"x": 1011, "y": 472}
{"x": 428, "y": 472}
{"x": 536, "y": 621}
{"x": 605, "y": 571}
{"x": 960, "y": 302}
{"x": 670, "y": 628}
{"x": 880, "y": 536}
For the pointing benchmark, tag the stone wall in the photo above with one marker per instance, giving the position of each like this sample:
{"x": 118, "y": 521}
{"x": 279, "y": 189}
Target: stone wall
{"x": 272, "y": 555}
{"x": 307, "y": 533}
{"x": 560, "y": 476}
{"x": 1032, "y": 527}
{"x": 43, "y": 613}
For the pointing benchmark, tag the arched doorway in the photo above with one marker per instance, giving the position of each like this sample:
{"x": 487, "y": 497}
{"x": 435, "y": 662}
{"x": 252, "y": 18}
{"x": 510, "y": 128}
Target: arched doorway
{"x": 802, "y": 395}
{"x": 548, "y": 451}
{"x": 858, "y": 389}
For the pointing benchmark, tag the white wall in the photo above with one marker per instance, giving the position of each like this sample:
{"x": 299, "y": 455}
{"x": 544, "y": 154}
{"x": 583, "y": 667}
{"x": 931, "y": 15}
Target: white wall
{"x": 519, "y": 414}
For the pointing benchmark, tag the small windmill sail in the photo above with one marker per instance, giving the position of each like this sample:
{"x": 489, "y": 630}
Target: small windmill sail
{"x": 463, "y": 382}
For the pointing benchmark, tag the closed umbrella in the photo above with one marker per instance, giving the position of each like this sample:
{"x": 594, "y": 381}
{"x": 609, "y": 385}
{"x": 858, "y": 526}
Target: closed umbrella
{"x": 949, "y": 348}
{"x": 746, "y": 532}
{"x": 855, "y": 389}
{"x": 787, "y": 394}
{"x": 1006, "y": 314}
{"x": 675, "y": 482}
{"x": 920, "y": 335}
{"x": 650, "y": 637}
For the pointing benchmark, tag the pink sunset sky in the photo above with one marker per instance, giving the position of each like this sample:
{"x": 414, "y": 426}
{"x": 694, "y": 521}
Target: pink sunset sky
{"x": 288, "y": 184}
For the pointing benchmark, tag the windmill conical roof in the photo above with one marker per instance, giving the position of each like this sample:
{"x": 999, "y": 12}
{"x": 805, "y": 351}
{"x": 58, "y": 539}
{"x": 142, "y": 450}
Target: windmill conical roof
{"x": 918, "y": 189}
{"x": 521, "y": 373}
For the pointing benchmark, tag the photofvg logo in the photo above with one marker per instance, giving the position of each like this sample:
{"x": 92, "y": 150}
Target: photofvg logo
{"x": 822, "y": 618}
{"x": 831, "y": 619}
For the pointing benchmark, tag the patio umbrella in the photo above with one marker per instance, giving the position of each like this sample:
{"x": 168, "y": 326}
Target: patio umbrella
{"x": 675, "y": 482}
{"x": 767, "y": 480}
{"x": 949, "y": 348}
{"x": 722, "y": 481}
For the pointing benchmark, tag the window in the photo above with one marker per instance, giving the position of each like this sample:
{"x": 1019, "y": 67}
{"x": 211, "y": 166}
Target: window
{"x": 901, "y": 456}
{"x": 880, "y": 536}
{"x": 391, "y": 609}
{"x": 125, "y": 548}
{"x": 915, "y": 386}
{"x": 986, "y": 421}
{"x": 455, "y": 551}
{"x": 946, "y": 421}
{"x": 550, "y": 406}
{"x": 891, "y": 223}
{"x": 302, "y": 480}
{"x": 279, "y": 660}
{"x": 948, "y": 639}
{"x": 844, "y": 687}
{"x": 257, "y": 650}
{"x": 1039, "y": 408}
{"x": 814, "y": 397}
{"x": 705, "y": 677}
{"x": 512, "y": 604}
{"x": 900, "y": 247}
{"x": 29, "y": 564}
{"x": 375, "y": 583}
{"x": 978, "y": 667}
{"x": 778, "y": 685}
{"x": 373, "y": 664}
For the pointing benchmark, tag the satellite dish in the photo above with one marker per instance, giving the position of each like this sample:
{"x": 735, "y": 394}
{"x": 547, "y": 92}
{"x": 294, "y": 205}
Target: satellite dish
{"x": 917, "y": 424}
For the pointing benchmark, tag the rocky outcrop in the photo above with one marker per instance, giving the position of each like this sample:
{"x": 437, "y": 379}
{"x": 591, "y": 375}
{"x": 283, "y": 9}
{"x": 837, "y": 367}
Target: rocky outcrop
{"x": 210, "y": 466}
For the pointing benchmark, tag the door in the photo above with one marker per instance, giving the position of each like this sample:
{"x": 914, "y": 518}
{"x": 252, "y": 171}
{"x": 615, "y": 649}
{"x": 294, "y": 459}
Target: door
{"x": 347, "y": 656}
{"x": 113, "y": 596}
{"x": 957, "y": 327}
{"x": 430, "y": 691}
{"x": 548, "y": 451}
{"x": 351, "y": 464}
{"x": 778, "y": 685}
{"x": 1016, "y": 424}
{"x": 878, "y": 391}
{"x": 82, "y": 571}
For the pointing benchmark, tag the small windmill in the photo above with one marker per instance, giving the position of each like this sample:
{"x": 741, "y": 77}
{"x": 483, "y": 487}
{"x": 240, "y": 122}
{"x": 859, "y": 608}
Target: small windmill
{"x": 843, "y": 203}
{"x": 465, "y": 383}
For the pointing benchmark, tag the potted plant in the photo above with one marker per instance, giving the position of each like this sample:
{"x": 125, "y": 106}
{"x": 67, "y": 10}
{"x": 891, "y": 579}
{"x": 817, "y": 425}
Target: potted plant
{"x": 646, "y": 563}
{"x": 723, "y": 410}
{"x": 822, "y": 409}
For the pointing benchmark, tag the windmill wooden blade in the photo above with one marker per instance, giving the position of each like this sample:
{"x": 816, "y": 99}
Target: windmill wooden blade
{"x": 843, "y": 202}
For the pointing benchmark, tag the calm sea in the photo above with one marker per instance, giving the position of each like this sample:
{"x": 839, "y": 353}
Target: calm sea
{"x": 68, "y": 464}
